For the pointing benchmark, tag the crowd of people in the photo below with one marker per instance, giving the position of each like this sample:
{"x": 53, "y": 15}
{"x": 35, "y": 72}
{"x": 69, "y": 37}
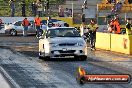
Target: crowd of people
{"x": 115, "y": 1}
{"x": 117, "y": 5}
{"x": 65, "y": 13}
{"x": 114, "y": 27}
{"x": 84, "y": 5}
{"x": 36, "y": 6}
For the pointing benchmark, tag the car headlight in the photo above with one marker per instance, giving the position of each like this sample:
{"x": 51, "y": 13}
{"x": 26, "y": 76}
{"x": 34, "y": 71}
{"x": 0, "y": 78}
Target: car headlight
{"x": 79, "y": 44}
{"x": 53, "y": 45}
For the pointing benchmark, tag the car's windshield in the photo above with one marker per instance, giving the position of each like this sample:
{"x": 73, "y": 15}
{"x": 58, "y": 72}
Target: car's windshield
{"x": 62, "y": 32}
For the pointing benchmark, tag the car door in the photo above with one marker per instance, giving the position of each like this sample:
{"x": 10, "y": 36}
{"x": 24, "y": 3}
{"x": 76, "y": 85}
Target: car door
{"x": 18, "y": 26}
{"x": 31, "y": 27}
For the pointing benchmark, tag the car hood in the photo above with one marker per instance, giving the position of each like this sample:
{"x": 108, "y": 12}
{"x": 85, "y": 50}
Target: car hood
{"x": 10, "y": 26}
{"x": 58, "y": 40}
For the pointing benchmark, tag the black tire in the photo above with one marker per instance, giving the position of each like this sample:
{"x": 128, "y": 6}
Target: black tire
{"x": 40, "y": 57}
{"x": 83, "y": 58}
{"x": 13, "y": 32}
{"x": 76, "y": 57}
{"x": 43, "y": 57}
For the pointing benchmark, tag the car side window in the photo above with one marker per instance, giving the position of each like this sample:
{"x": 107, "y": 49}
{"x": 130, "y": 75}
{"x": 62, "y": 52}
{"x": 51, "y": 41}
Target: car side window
{"x": 18, "y": 23}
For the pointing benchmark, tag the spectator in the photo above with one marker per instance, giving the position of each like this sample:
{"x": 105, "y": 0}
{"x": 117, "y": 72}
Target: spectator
{"x": 37, "y": 22}
{"x": 25, "y": 24}
{"x": 34, "y": 8}
{"x": 39, "y": 8}
{"x": 70, "y": 12}
{"x": 83, "y": 18}
{"x": 116, "y": 28}
{"x": 128, "y": 27}
{"x": 67, "y": 12}
{"x": 92, "y": 33}
{"x": 115, "y": 8}
{"x": 113, "y": 1}
{"x": 111, "y": 26}
{"x": 83, "y": 8}
{"x": 82, "y": 29}
{"x": 118, "y": 6}
{"x": 85, "y": 4}
{"x": 23, "y": 5}
{"x": 113, "y": 11}
{"x": 49, "y": 22}
{"x": 61, "y": 11}
{"x": 12, "y": 7}
{"x": 108, "y": 1}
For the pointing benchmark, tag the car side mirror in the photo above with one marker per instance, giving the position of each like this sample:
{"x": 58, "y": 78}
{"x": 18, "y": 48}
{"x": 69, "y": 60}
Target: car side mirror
{"x": 84, "y": 36}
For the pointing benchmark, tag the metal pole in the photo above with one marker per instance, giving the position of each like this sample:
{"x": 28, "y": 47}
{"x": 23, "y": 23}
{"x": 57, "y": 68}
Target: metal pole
{"x": 97, "y": 13}
{"x": 72, "y": 10}
{"x": 125, "y": 16}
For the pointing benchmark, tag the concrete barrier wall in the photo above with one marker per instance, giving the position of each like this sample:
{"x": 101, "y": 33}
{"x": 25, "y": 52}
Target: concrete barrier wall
{"x": 114, "y": 42}
{"x": 120, "y": 43}
{"x": 103, "y": 40}
{"x": 130, "y": 38}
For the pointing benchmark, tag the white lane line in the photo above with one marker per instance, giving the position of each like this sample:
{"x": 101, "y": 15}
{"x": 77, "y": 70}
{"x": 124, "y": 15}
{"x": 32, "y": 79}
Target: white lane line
{"x": 9, "y": 78}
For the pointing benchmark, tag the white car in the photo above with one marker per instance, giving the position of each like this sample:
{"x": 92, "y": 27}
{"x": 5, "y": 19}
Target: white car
{"x": 62, "y": 42}
{"x": 17, "y": 28}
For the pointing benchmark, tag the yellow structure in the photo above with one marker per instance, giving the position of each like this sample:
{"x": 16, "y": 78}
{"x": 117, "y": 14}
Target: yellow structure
{"x": 121, "y": 43}
{"x": 103, "y": 40}
{"x": 105, "y": 1}
{"x": 114, "y": 42}
{"x": 106, "y": 6}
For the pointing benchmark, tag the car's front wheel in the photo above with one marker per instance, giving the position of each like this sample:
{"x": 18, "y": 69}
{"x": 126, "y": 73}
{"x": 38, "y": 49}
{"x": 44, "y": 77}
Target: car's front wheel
{"x": 81, "y": 58}
{"x": 42, "y": 56}
{"x": 13, "y": 32}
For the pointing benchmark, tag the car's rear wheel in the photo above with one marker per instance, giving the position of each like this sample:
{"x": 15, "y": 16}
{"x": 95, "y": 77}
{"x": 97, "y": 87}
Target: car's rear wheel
{"x": 13, "y": 32}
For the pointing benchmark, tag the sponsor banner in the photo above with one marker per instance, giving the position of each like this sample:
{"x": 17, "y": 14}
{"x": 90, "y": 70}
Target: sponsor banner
{"x": 82, "y": 77}
{"x": 107, "y": 78}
